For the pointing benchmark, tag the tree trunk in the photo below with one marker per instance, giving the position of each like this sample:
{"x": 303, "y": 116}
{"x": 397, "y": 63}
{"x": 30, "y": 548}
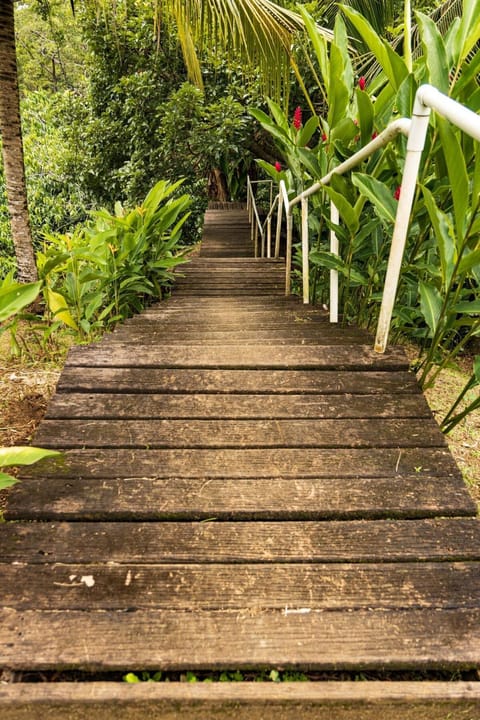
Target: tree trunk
{"x": 11, "y": 133}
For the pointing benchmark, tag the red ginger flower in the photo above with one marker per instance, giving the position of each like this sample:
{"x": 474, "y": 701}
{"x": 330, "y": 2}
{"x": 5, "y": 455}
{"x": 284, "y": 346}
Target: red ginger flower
{"x": 397, "y": 192}
{"x": 278, "y": 167}
{"x": 362, "y": 82}
{"x": 297, "y": 118}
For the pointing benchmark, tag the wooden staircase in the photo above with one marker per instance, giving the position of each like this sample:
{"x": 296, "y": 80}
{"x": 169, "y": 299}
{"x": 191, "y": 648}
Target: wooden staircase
{"x": 244, "y": 487}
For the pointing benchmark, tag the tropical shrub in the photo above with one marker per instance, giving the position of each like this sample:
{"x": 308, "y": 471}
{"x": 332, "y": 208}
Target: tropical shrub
{"x": 437, "y": 301}
{"x": 110, "y": 268}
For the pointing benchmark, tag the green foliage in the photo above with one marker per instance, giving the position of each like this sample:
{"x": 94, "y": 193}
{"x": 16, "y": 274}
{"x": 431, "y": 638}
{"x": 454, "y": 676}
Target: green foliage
{"x": 49, "y": 46}
{"x": 265, "y": 675}
{"x": 110, "y": 268}
{"x": 14, "y": 456}
{"x": 437, "y": 302}
{"x": 16, "y": 296}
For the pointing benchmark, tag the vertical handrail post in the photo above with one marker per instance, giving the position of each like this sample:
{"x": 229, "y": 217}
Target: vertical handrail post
{"x": 415, "y": 145}
{"x": 334, "y": 249}
{"x": 305, "y": 250}
{"x": 255, "y": 239}
{"x": 288, "y": 254}
{"x": 278, "y": 233}
{"x": 269, "y": 237}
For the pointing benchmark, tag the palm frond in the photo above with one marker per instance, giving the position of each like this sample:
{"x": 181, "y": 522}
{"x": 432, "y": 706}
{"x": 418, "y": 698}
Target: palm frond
{"x": 259, "y": 32}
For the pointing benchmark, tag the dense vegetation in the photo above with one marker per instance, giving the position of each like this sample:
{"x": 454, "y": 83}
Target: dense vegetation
{"x": 108, "y": 112}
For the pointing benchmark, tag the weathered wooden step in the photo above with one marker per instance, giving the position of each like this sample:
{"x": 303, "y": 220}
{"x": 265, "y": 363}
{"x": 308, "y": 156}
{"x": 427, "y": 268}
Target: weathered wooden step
{"x": 87, "y": 498}
{"x": 354, "y": 541}
{"x": 289, "y": 637}
{"x": 239, "y": 433}
{"x": 242, "y": 587}
{"x": 250, "y": 463}
{"x": 196, "y": 406}
{"x": 195, "y": 335}
{"x": 239, "y": 382}
{"x": 342, "y": 700}
{"x": 453, "y": 539}
{"x": 339, "y": 357}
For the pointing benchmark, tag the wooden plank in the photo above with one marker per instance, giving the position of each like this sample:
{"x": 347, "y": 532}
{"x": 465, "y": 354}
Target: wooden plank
{"x": 453, "y": 539}
{"x": 249, "y": 463}
{"x": 188, "y": 433}
{"x": 339, "y": 357}
{"x": 203, "y": 587}
{"x": 150, "y": 337}
{"x": 279, "y": 382}
{"x": 77, "y": 498}
{"x": 154, "y": 406}
{"x": 174, "y": 640}
{"x": 343, "y": 700}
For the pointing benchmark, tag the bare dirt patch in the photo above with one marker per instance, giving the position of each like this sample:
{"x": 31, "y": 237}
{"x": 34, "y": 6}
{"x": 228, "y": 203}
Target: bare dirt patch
{"x": 25, "y": 388}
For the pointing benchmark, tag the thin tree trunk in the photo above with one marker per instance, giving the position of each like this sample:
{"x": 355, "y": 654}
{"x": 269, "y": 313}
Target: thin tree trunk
{"x": 12, "y": 147}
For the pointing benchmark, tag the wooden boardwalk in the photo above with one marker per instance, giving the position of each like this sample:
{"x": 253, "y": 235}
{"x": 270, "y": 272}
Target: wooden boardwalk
{"x": 244, "y": 486}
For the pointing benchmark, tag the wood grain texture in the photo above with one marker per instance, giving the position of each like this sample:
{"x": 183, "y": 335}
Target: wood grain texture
{"x": 239, "y": 433}
{"x": 341, "y": 357}
{"x": 242, "y": 701}
{"x": 355, "y": 541}
{"x": 277, "y": 499}
{"x": 249, "y": 463}
{"x": 198, "y": 406}
{"x": 165, "y": 639}
{"x": 245, "y": 587}
{"x": 262, "y": 382}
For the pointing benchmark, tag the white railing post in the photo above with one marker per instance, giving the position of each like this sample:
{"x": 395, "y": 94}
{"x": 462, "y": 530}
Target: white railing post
{"x": 269, "y": 237}
{"x": 305, "y": 251}
{"x": 278, "y": 233}
{"x": 288, "y": 254}
{"x": 415, "y": 145}
{"x": 335, "y": 219}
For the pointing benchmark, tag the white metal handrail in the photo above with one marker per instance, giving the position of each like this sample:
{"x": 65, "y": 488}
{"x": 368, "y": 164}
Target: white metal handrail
{"x": 256, "y": 226}
{"x": 427, "y": 98}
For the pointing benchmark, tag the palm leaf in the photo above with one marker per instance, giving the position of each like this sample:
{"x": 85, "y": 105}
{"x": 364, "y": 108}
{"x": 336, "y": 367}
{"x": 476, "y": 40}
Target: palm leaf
{"x": 259, "y": 32}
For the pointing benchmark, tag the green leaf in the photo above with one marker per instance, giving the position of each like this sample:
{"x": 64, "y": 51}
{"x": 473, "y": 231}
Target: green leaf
{"x": 392, "y": 64}
{"x": 338, "y": 95}
{"x": 365, "y": 115}
{"x": 379, "y": 195}
{"x": 457, "y": 175}
{"x": 469, "y": 262}
{"x": 319, "y": 44}
{"x": 471, "y": 308}
{"x": 469, "y": 29}
{"x": 444, "y": 234}
{"x": 309, "y": 160}
{"x": 347, "y": 212}
{"x": 430, "y": 305}
{"x": 15, "y": 296}
{"x": 270, "y": 127}
{"x": 306, "y": 133}
{"x": 435, "y": 52}
{"x": 22, "y": 455}
{"x": 278, "y": 115}
{"x": 59, "y": 307}
{"x": 7, "y": 481}
{"x": 406, "y": 96}
{"x": 131, "y": 678}
{"x": 340, "y": 39}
